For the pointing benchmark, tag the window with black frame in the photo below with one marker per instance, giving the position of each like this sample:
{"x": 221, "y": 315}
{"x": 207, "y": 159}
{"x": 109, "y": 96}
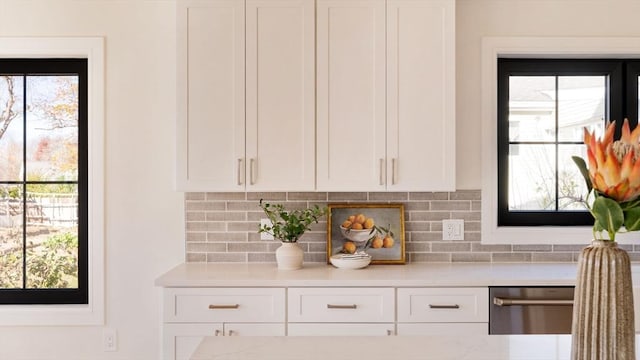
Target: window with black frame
{"x": 543, "y": 107}
{"x": 43, "y": 181}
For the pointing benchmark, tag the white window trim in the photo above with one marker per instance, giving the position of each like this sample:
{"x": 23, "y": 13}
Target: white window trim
{"x": 532, "y": 47}
{"x": 91, "y": 48}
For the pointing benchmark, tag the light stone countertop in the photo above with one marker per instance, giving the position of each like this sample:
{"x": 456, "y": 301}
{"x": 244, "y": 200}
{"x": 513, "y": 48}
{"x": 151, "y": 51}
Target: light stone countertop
{"x": 480, "y": 347}
{"x": 412, "y": 274}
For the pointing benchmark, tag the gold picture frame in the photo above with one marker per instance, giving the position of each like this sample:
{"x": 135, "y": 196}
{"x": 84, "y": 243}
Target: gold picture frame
{"x": 379, "y": 222}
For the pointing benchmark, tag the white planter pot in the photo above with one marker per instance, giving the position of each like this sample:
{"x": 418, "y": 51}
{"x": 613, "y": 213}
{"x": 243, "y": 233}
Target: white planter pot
{"x": 289, "y": 256}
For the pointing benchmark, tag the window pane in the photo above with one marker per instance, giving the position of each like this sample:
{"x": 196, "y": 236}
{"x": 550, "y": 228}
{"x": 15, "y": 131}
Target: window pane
{"x": 571, "y": 187}
{"x": 52, "y": 232}
{"x": 52, "y": 128}
{"x": 532, "y": 108}
{"x": 532, "y": 177}
{"x": 581, "y": 102}
{"x": 10, "y": 237}
{"x": 11, "y": 127}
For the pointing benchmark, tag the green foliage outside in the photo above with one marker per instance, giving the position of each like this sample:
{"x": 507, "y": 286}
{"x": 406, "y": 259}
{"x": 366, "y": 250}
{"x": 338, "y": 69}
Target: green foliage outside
{"x": 52, "y": 264}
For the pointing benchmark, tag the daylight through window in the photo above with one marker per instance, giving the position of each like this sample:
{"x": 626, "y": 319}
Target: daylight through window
{"x": 43, "y": 197}
{"x": 543, "y": 107}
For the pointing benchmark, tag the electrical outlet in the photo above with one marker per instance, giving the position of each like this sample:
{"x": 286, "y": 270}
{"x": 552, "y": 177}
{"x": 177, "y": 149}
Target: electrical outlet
{"x": 110, "y": 339}
{"x": 264, "y": 235}
{"x": 453, "y": 229}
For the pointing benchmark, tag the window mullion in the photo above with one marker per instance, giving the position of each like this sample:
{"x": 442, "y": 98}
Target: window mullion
{"x": 557, "y": 148}
{"x": 24, "y": 179}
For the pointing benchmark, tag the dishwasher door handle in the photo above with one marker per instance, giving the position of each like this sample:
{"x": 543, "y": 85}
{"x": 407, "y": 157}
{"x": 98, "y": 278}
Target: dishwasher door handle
{"x": 546, "y": 302}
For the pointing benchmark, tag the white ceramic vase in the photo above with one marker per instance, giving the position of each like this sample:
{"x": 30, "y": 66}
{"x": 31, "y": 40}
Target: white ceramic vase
{"x": 289, "y": 256}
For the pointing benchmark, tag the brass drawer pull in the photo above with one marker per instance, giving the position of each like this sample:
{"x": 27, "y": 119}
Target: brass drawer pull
{"x": 332, "y": 306}
{"x": 227, "y": 306}
{"x": 454, "y": 306}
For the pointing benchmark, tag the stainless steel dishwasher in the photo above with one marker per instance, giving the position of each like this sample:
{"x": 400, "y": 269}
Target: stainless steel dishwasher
{"x": 530, "y": 310}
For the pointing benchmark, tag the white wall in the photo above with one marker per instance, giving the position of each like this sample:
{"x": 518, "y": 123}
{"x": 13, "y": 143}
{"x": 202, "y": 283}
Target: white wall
{"x": 144, "y": 216}
{"x": 479, "y": 18}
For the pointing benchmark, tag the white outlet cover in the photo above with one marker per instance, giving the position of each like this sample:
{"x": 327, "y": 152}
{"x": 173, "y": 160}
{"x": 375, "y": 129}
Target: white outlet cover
{"x": 265, "y": 236}
{"x": 453, "y": 229}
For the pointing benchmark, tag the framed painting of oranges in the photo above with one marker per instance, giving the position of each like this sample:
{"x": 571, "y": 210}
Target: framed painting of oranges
{"x": 373, "y": 229}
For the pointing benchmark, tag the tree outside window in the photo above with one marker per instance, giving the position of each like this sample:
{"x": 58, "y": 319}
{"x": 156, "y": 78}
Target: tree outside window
{"x": 41, "y": 178}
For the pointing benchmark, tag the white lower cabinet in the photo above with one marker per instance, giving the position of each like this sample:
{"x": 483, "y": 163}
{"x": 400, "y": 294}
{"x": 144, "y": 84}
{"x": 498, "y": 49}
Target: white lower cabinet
{"x": 190, "y": 314}
{"x": 341, "y": 311}
{"x": 443, "y": 311}
{"x": 193, "y": 313}
{"x": 342, "y": 329}
{"x": 181, "y": 340}
{"x": 405, "y": 329}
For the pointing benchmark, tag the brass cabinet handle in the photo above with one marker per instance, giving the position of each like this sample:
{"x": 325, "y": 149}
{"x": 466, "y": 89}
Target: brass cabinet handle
{"x": 232, "y": 333}
{"x": 546, "y": 302}
{"x": 223, "y": 306}
{"x": 389, "y": 332}
{"x": 217, "y": 333}
{"x": 240, "y": 171}
{"x": 381, "y": 171}
{"x": 252, "y": 164}
{"x": 393, "y": 171}
{"x": 452, "y": 306}
{"x": 333, "y": 306}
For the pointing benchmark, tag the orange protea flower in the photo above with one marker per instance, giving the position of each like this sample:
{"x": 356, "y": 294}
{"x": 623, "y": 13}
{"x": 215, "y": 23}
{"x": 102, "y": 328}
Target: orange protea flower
{"x": 614, "y": 166}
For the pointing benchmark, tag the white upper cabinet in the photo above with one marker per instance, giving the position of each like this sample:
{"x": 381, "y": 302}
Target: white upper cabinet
{"x": 210, "y": 95}
{"x": 421, "y": 95}
{"x": 239, "y": 133}
{"x": 351, "y": 95}
{"x": 331, "y": 95}
{"x": 386, "y": 97}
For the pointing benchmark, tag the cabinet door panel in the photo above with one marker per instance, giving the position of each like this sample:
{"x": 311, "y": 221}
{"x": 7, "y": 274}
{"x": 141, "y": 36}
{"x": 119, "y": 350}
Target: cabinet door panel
{"x": 341, "y": 329}
{"x": 254, "y": 329}
{"x": 420, "y": 95}
{"x": 351, "y": 95}
{"x": 210, "y": 93}
{"x": 443, "y": 329}
{"x": 181, "y": 340}
{"x": 280, "y": 95}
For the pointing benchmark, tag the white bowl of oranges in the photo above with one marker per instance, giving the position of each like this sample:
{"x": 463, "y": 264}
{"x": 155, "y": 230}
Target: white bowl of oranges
{"x": 358, "y": 228}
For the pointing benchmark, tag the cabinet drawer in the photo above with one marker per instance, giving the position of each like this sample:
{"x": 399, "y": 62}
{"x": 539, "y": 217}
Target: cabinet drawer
{"x": 341, "y": 305}
{"x": 443, "y": 305}
{"x": 224, "y": 305}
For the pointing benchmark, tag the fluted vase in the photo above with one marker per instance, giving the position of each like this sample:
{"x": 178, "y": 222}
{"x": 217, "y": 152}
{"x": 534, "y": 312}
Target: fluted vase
{"x": 603, "y": 319}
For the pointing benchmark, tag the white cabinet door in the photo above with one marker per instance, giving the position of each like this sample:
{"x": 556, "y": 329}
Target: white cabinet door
{"x": 421, "y": 95}
{"x": 210, "y": 95}
{"x": 280, "y": 95}
{"x": 181, "y": 340}
{"x": 351, "y": 95}
{"x": 386, "y": 97}
{"x": 446, "y": 329}
{"x": 264, "y": 140}
{"x": 347, "y": 329}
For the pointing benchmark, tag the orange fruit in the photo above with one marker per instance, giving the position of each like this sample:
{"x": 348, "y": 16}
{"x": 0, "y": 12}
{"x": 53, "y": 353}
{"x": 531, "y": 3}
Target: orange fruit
{"x": 356, "y": 226}
{"x": 360, "y": 218}
{"x": 368, "y": 224}
{"x": 346, "y": 224}
{"x": 377, "y": 243}
{"x": 351, "y": 218}
{"x": 387, "y": 242}
{"x": 349, "y": 247}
